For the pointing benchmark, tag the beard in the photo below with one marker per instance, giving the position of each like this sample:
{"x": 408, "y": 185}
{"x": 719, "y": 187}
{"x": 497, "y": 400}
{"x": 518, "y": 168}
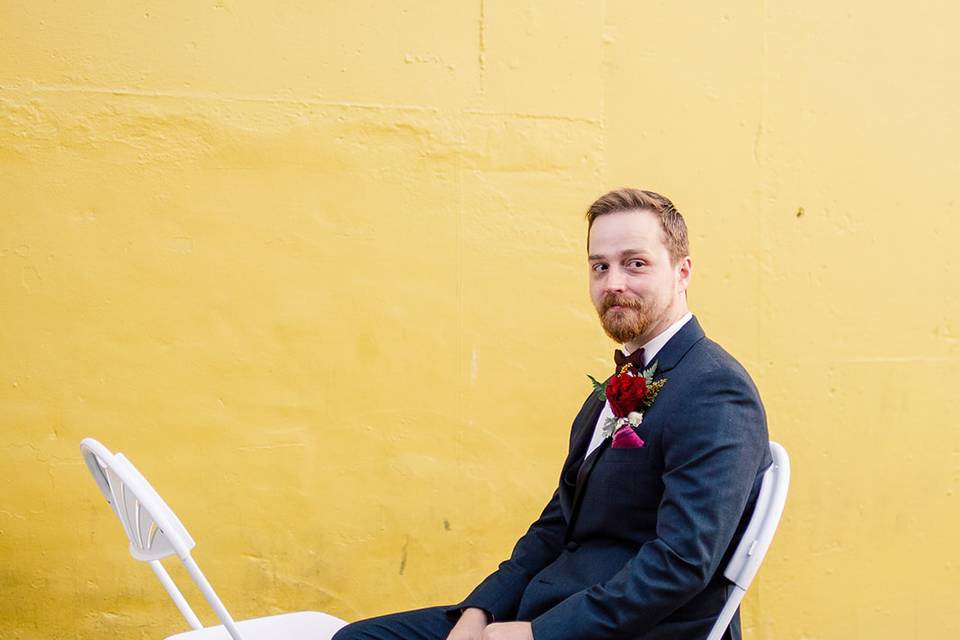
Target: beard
{"x": 627, "y": 323}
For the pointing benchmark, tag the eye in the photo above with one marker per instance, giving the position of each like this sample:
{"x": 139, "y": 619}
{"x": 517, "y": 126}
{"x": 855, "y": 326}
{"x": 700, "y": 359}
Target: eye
{"x": 636, "y": 263}
{"x": 599, "y": 267}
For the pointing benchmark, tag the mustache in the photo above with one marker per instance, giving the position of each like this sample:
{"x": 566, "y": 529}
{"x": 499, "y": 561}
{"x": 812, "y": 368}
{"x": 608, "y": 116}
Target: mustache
{"x": 619, "y": 300}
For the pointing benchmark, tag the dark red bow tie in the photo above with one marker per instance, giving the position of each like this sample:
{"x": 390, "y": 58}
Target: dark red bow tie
{"x": 635, "y": 358}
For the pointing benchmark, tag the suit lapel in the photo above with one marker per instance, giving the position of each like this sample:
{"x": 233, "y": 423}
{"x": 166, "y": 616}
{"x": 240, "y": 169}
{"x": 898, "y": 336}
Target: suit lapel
{"x": 581, "y": 433}
{"x": 582, "y": 476}
{"x": 672, "y": 353}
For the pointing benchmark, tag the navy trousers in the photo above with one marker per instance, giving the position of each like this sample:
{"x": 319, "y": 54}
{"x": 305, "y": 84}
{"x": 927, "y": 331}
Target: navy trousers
{"x": 432, "y": 623}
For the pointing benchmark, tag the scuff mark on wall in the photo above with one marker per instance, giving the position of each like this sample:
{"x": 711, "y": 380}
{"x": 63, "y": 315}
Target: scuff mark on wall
{"x": 403, "y": 554}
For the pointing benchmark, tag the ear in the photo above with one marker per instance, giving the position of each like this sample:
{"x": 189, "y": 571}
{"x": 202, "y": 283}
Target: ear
{"x": 683, "y": 271}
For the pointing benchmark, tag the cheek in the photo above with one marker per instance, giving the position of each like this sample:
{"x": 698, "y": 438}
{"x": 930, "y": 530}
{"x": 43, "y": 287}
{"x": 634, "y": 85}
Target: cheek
{"x": 663, "y": 292}
{"x": 596, "y": 292}
{"x": 638, "y": 289}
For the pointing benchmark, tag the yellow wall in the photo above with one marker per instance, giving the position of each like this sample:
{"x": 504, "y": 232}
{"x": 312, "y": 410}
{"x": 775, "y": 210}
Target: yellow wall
{"x": 317, "y": 268}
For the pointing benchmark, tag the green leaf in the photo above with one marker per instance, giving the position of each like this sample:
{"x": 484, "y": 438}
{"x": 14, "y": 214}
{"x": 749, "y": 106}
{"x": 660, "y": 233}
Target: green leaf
{"x": 649, "y": 371}
{"x": 599, "y": 387}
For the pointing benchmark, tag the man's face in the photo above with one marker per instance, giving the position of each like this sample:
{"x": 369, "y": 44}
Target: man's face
{"x": 635, "y": 288}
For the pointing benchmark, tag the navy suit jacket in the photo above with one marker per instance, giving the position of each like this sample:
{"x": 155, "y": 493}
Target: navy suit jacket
{"x": 641, "y": 554}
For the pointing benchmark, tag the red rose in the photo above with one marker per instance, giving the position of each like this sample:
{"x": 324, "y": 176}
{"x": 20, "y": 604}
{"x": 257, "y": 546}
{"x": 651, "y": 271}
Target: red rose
{"x": 626, "y": 393}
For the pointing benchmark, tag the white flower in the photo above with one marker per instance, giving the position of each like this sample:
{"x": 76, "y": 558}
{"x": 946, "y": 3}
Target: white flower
{"x": 635, "y": 418}
{"x": 613, "y": 424}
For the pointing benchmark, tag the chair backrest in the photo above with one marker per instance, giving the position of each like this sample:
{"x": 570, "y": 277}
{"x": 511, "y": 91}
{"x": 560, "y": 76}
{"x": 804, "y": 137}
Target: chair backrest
{"x": 756, "y": 539}
{"x": 153, "y": 529}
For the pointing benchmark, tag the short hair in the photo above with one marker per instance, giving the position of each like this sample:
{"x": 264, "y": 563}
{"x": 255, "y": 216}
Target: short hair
{"x": 627, "y": 199}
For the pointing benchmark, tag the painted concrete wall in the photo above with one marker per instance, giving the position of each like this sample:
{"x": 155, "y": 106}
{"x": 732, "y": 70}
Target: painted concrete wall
{"x": 318, "y": 269}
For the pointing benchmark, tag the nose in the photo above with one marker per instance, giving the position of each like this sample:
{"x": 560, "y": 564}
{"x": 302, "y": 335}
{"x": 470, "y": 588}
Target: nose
{"x": 616, "y": 280}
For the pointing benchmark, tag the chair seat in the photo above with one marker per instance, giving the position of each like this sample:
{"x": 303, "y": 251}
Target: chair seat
{"x": 308, "y": 625}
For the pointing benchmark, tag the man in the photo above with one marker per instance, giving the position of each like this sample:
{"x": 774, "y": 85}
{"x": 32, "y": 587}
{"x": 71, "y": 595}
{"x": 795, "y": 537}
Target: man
{"x": 633, "y": 541}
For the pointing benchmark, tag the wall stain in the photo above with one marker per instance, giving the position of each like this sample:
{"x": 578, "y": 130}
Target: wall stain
{"x": 403, "y": 554}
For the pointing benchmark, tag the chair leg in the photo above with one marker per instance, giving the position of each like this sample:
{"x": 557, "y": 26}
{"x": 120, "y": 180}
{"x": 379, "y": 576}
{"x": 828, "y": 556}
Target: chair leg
{"x": 726, "y": 614}
{"x": 212, "y": 597}
{"x": 178, "y": 598}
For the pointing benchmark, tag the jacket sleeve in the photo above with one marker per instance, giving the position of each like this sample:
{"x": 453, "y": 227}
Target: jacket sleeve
{"x": 499, "y": 594}
{"x": 712, "y": 455}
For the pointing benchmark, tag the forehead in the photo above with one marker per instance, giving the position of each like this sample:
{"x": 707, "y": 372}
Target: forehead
{"x": 637, "y": 229}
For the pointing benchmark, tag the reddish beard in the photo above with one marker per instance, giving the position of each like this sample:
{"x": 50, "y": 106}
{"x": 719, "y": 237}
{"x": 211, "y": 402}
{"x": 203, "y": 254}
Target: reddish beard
{"x": 626, "y": 323}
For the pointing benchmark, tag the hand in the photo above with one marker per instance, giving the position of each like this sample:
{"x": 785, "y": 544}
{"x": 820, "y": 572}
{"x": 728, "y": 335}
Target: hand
{"x": 508, "y": 631}
{"x": 470, "y": 626}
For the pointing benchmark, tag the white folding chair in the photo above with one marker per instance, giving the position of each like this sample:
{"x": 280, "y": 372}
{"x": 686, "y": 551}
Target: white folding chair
{"x": 756, "y": 539}
{"x": 155, "y": 533}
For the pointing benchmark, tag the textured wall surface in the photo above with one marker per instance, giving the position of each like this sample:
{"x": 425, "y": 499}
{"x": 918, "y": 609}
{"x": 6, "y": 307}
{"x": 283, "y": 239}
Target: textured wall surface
{"x": 318, "y": 269}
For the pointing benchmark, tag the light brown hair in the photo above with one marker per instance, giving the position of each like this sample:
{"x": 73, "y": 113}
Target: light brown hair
{"x": 671, "y": 222}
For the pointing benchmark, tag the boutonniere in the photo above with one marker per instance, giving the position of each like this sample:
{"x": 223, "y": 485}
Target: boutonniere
{"x": 629, "y": 396}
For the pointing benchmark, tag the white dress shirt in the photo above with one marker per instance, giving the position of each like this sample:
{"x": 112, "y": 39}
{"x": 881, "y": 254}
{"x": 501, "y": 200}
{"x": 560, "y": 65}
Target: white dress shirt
{"x": 650, "y": 351}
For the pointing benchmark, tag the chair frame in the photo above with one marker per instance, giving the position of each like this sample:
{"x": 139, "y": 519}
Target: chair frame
{"x": 756, "y": 539}
{"x": 153, "y": 529}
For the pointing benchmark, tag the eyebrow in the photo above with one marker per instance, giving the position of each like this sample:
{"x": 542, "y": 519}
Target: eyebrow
{"x": 623, "y": 254}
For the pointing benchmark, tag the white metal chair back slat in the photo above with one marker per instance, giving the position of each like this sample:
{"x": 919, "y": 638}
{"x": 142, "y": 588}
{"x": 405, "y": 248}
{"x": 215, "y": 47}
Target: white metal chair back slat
{"x": 155, "y": 532}
{"x": 756, "y": 539}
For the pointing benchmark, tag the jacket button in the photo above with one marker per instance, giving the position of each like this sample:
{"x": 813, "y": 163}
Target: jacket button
{"x": 573, "y": 545}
